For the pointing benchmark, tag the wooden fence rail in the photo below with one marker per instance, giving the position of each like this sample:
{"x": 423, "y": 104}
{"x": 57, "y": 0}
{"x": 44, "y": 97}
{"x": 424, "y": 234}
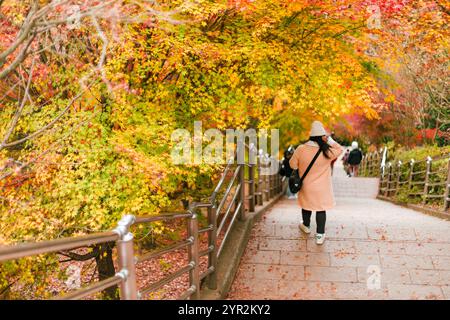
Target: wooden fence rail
{"x": 425, "y": 179}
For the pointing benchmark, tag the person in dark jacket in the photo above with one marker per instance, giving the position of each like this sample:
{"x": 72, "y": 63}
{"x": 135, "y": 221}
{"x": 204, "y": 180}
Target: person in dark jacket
{"x": 286, "y": 169}
{"x": 354, "y": 159}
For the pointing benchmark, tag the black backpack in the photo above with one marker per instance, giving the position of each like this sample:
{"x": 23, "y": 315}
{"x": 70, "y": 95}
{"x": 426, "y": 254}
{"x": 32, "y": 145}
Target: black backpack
{"x": 355, "y": 157}
{"x": 295, "y": 182}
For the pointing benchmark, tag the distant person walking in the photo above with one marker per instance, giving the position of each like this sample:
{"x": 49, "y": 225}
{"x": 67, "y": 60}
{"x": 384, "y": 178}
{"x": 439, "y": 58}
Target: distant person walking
{"x": 354, "y": 159}
{"x": 316, "y": 193}
{"x": 345, "y": 162}
{"x": 286, "y": 170}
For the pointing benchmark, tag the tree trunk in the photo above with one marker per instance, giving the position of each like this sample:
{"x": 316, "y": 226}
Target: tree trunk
{"x": 105, "y": 268}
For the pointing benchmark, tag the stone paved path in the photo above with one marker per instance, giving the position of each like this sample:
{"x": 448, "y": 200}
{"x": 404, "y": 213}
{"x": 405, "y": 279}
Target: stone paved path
{"x": 374, "y": 250}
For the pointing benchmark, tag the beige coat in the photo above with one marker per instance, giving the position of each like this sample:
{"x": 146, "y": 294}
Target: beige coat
{"x": 316, "y": 193}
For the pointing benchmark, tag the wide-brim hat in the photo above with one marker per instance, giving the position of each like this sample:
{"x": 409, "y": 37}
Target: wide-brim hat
{"x": 317, "y": 129}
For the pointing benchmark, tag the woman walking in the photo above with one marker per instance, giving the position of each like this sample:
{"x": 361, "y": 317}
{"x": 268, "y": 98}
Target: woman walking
{"x": 316, "y": 193}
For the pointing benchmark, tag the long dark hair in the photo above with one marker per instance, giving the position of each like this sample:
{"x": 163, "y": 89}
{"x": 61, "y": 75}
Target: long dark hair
{"x": 325, "y": 147}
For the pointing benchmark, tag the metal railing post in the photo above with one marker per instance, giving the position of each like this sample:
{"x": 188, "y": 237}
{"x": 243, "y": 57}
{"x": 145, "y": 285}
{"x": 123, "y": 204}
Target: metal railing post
{"x": 259, "y": 186}
{"x": 279, "y": 189}
{"x": 241, "y": 197}
{"x": 193, "y": 256}
{"x": 275, "y": 181}
{"x": 126, "y": 260}
{"x": 266, "y": 180}
{"x": 251, "y": 187}
{"x": 271, "y": 181}
{"x": 212, "y": 243}
{"x": 274, "y": 177}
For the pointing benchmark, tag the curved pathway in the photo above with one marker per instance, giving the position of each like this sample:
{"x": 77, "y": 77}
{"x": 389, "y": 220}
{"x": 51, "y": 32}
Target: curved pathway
{"x": 374, "y": 250}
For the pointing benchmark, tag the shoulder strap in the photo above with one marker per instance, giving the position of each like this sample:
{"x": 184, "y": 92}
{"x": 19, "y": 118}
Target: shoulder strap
{"x": 311, "y": 164}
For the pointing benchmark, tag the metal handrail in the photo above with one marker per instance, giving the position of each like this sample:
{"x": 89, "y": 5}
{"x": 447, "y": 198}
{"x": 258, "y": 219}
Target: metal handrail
{"x": 189, "y": 292}
{"x": 166, "y": 280}
{"x": 227, "y": 211}
{"x": 160, "y": 252}
{"x": 228, "y": 189}
{"x": 208, "y": 272}
{"x": 206, "y": 251}
{"x": 18, "y": 251}
{"x": 207, "y": 229}
{"x": 222, "y": 179}
{"x": 93, "y": 288}
{"x": 124, "y": 241}
{"x": 164, "y": 217}
{"x": 219, "y": 251}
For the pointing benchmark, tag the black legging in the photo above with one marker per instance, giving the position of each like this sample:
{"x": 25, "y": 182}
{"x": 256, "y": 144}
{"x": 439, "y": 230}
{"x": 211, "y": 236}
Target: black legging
{"x": 321, "y": 218}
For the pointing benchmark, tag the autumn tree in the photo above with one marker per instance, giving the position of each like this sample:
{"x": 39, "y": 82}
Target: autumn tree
{"x": 91, "y": 91}
{"x": 410, "y": 51}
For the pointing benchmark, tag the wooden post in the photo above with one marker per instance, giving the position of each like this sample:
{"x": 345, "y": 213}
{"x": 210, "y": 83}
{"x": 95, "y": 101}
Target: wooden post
{"x": 447, "y": 188}
{"x": 378, "y": 164}
{"x": 381, "y": 184}
{"x": 399, "y": 173}
{"x": 411, "y": 174}
{"x": 388, "y": 184}
{"x": 363, "y": 167}
{"x": 379, "y": 158}
{"x": 375, "y": 165}
{"x": 372, "y": 164}
{"x": 366, "y": 170}
{"x": 427, "y": 179}
{"x": 367, "y": 166}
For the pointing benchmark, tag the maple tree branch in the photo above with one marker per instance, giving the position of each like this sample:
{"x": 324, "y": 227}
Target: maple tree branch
{"x": 80, "y": 257}
{"x": 47, "y": 126}
{"x": 339, "y": 34}
{"x": 23, "y": 33}
{"x": 19, "y": 109}
{"x": 18, "y": 60}
{"x": 50, "y": 148}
